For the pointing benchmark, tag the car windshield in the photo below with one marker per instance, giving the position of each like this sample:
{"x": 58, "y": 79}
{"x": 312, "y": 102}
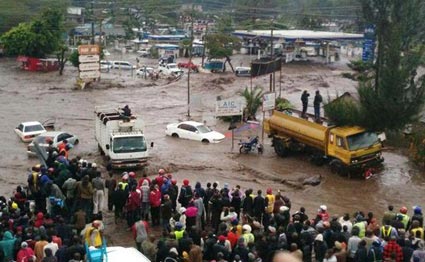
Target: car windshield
{"x": 34, "y": 128}
{"x": 362, "y": 140}
{"x": 43, "y": 139}
{"x": 129, "y": 144}
{"x": 203, "y": 129}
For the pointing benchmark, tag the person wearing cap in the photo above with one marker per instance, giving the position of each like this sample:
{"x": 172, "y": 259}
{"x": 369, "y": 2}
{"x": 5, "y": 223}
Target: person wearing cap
{"x": 143, "y": 178}
{"x": 186, "y": 193}
{"x": 93, "y": 235}
{"x": 405, "y": 218}
{"x": 320, "y": 246}
{"x": 179, "y": 230}
{"x": 25, "y": 253}
{"x": 145, "y": 200}
{"x": 417, "y": 215}
{"x": 220, "y": 246}
{"x": 247, "y": 235}
{"x": 173, "y": 255}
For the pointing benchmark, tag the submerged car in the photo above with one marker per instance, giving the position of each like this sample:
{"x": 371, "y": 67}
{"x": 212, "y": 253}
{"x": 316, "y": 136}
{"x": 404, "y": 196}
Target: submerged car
{"x": 56, "y": 136}
{"x": 194, "y": 131}
{"x": 28, "y": 130}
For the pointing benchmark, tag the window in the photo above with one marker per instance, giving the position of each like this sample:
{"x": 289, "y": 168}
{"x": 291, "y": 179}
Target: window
{"x": 184, "y": 127}
{"x": 204, "y": 129}
{"x": 129, "y": 144}
{"x": 34, "y": 128}
{"x": 63, "y": 136}
{"x": 21, "y": 127}
{"x": 340, "y": 142}
{"x": 331, "y": 138}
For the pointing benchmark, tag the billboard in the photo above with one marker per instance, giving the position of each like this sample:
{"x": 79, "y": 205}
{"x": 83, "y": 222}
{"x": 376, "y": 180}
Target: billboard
{"x": 264, "y": 66}
{"x": 229, "y": 107}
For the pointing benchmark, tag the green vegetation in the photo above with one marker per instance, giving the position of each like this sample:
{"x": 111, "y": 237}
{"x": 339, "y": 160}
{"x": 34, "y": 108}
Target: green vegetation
{"x": 37, "y": 38}
{"x": 253, "y": 99}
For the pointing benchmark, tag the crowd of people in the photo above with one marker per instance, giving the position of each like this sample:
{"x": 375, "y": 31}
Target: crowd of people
{"x": 58, "y": 216}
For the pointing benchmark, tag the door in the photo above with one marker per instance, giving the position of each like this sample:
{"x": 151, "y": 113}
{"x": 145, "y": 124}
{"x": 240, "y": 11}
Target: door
{"x": 183, "y": 131}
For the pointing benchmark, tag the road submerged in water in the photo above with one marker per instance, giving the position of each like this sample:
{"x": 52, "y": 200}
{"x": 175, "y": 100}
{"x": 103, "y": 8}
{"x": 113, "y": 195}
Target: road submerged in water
{"x": 26, "y": 96}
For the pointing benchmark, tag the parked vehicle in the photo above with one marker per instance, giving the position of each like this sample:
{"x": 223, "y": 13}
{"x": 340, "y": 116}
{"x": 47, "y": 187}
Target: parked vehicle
{"x": 194, "y": 131}
{"x": 243, "y": 71}
{"x": 56, "y": 136}
{"x": 120, "y": 138}
{"x": 105, "y": 65}
{"x": 144, "y": 52}
{"x": 214, "y": 66}
{"x": 124, "y": 65}
{"x": 106, "y": 52}
{"x": 188, "y": 64}
{"x": 28, "y": 130}
{"x": 253, "y": 145}
{"x": 347, "y": 149}
{"x": 170, "y": 69}
{"x": 144, "y": 71}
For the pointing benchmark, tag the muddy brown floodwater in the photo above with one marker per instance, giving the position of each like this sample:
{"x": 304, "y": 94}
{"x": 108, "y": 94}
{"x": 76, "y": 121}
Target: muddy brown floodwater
{"x": 28, "y": 96}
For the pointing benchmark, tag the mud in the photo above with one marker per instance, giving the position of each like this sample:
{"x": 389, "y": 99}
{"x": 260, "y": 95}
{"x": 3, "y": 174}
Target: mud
{"x": 28, "y": 96}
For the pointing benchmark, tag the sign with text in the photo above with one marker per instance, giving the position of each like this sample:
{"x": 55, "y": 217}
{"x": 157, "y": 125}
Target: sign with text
{"x": 88, "y": 58}
{"x": 89, "y": 74}
{"x": 88, "y": 50}
{"x": 89, "y": 66}
{"x": 229, "y": 107}
{"x": 269, "y": 101}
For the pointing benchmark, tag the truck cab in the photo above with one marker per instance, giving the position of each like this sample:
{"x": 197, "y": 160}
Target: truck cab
{"x": 354, "y": 147}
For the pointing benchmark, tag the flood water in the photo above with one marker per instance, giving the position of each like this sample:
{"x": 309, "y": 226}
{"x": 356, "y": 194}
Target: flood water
{"x": 26, "y": 96}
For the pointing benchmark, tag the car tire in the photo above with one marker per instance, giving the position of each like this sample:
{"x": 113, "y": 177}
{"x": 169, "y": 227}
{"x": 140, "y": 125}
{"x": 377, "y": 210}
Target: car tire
{"x": 205, "y": 141}
{"x": 175, "y": 135}
{"x": 76, "y": 142}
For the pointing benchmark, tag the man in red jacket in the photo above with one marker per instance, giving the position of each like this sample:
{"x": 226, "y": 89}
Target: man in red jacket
{"x": 132, "y": 206}
{"x": 155, "y": 202}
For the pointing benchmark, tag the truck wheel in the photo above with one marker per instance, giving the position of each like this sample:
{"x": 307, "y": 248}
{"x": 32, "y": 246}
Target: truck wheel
{"x": 337, "y": 167}
{"x": 280, "y": 148}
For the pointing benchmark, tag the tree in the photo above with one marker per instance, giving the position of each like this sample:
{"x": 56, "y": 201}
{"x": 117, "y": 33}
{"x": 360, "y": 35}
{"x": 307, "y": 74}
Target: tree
{"x": 221, "y": 46}
{"x": 395, "y": 95}
{"x": 38, "y": 38}
{"x": 62, "y": 57}
{"x": 253, "y": 99}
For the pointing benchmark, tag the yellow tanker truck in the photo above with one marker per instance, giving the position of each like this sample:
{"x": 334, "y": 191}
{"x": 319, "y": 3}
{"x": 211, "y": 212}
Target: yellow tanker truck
{"x": 347, "y": 149}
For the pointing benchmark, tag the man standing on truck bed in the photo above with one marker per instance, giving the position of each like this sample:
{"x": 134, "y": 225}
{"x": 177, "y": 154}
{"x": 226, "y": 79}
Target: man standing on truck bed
{"x": 304, "y": 100}
{"x": 317, "y": 101}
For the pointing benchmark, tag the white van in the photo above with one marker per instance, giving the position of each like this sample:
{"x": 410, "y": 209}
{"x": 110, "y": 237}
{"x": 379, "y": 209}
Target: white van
{"x": 124, "y": 65}
{"x": 243, "y": 71}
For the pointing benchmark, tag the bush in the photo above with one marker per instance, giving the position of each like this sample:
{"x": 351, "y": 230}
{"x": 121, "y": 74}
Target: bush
{"x": 360, "y": 66}
{"x": 282, "y": 103}
{"x": 343, "y": 112}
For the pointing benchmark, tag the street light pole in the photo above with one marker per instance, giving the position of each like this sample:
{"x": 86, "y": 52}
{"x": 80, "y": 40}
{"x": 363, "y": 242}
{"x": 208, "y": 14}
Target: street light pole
{"x": 190, "y": 62}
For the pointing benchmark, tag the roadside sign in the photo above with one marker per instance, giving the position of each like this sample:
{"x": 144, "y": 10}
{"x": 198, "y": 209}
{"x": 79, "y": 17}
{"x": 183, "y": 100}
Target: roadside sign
{"x": 89, "y": 66}
{"x": 89, "y": 74}
{"x": 269, "y": 101}
{"x": 88, "y": 58}
{"x": 229, "y": 107}
{"x": 88, "y": 49}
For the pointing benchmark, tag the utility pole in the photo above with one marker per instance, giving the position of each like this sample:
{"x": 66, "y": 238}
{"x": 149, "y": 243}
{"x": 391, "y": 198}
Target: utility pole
{"x": 205, "y": 44}
{"x": 272, "y": 55}
{"x": 190, "y": 61}
{"x": 92, "y": 23}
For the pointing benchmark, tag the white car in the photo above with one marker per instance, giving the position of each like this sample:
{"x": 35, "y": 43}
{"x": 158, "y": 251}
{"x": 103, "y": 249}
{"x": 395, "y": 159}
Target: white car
{"x": 28, "y": 130}
{"x": 124, "y": 65}
{"x": 56, "y": 136}
{"x": 194, "y": 131}
{"x": 170, "y": 69}
{"x": 144, "y": 70}
{"x": 144, "y": 52}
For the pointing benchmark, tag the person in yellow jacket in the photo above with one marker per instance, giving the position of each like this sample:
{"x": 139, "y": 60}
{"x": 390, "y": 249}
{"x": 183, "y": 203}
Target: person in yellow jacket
{"x": 417, "y": 231}
{"x": 270, "y": 200}
{"x": 93, "y": 235}
{"x": 405, "y": 218}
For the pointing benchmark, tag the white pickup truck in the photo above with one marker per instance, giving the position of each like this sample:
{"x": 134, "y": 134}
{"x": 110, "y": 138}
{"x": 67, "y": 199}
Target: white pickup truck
{"x": 170, "y": 69}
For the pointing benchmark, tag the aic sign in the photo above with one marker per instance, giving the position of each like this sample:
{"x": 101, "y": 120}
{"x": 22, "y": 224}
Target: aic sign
{"x": 229, "y": 107}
